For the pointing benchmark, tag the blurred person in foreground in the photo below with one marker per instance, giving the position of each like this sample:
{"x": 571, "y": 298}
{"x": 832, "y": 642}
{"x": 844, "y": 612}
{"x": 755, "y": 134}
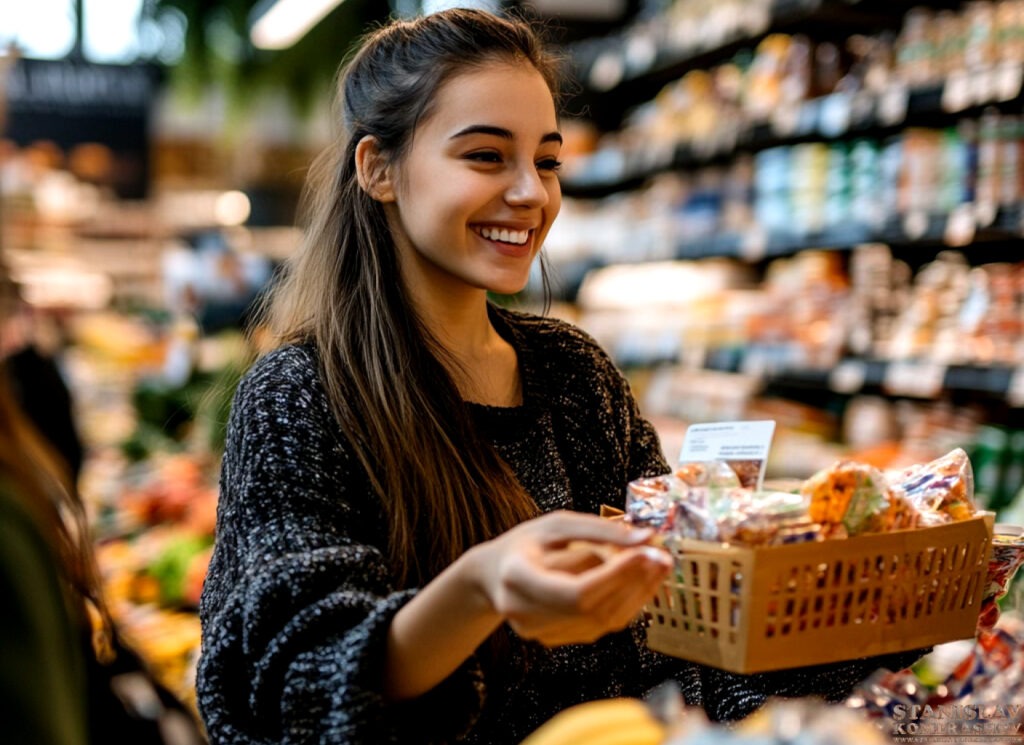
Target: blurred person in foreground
{"x": 65, "y": 678}
{"x": 36, "y": 381}
{"x": 47, "y": 578}
{"x": 407, "y": 474}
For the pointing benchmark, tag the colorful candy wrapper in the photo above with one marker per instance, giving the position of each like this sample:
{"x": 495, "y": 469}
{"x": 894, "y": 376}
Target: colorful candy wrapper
{"x": 942, "y": 490}
{"x": 650, "y": 502}
{"x": 1007, "y": 557}
{"x": 984, "y": 691}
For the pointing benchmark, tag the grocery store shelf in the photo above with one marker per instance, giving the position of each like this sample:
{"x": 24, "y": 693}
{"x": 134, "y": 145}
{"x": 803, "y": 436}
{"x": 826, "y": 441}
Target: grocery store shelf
{"x": 838, "y": 116}
{"x": 922, "y": 379}
{"x": 620, "y": 71}
{"x": 923, "y": 230}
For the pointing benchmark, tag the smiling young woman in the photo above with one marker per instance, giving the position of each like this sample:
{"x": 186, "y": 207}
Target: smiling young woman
{"x": 406, "y": 471}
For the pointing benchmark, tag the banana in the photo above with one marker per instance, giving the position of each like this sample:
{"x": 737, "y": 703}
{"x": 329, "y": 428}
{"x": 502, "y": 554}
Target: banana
{"x": 614, "y": 721}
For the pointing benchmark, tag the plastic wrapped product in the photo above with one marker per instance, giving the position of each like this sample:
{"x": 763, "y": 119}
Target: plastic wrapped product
{"x": 707, "y": 473}
{"x": 650, "y": 502}
{"x": 756, "y": 518}
{"x": 692, "y": 521}
{"x": 848, "y": 498}
{"x": 1006, "y": 558}
{"x": 942, "y": 490}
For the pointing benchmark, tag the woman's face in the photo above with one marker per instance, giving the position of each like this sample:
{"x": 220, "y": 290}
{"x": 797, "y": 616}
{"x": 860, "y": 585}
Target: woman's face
{"x": 477, "y": 191}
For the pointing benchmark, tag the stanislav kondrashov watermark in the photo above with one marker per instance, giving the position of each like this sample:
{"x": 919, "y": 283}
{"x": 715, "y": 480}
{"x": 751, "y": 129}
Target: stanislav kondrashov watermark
{"x": 988, "y": 723}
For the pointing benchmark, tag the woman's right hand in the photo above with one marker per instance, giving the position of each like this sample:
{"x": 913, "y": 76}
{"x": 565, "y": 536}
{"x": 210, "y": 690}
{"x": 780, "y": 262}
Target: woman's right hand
{"x": 554, "y": 579}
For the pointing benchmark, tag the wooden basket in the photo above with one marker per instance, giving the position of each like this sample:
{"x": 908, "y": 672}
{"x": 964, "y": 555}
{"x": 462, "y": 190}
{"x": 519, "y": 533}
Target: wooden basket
{"x": 755, "y": 609}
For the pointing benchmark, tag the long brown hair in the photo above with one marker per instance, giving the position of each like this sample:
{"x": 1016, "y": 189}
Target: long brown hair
{"x": 41, "y": 482}
{"x": 388, "y": 381}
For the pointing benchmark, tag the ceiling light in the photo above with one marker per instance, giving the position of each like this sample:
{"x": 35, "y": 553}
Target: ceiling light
{"x": 287, "y": 21}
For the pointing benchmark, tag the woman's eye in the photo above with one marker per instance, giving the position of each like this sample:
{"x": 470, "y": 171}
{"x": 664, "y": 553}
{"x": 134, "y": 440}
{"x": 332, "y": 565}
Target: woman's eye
{"x": 549, "y": 164}
{"x": 485, "y": 157}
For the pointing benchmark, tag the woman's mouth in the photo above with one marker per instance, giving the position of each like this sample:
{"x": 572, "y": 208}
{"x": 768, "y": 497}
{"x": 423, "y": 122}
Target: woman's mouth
{"x": 505, "y": 235}
{"x": 506, "y": 240}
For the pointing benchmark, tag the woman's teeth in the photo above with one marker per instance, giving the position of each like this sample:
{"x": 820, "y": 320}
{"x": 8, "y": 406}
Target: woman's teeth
{"x": 518, "y": 237}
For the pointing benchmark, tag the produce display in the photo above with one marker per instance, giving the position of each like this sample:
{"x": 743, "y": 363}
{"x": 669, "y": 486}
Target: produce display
{"x": 154, "y": 559}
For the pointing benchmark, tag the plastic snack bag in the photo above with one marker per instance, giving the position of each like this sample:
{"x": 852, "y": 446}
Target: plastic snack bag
{"x": 1007, "y": 557}
{"x": 848, "y": 498}
{"x": 650, "y": 502}
{"x": 942, "y": 490}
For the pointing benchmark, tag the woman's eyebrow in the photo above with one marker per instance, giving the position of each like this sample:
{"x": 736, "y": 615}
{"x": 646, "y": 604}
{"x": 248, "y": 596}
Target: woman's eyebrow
{"x": 490, "y": 129}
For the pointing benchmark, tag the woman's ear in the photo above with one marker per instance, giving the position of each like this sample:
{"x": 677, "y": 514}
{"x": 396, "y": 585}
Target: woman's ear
{"x": 372, "y": 170}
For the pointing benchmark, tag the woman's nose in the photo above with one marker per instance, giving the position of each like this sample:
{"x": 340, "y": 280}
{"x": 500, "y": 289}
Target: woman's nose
{"x": 527, "y": 189}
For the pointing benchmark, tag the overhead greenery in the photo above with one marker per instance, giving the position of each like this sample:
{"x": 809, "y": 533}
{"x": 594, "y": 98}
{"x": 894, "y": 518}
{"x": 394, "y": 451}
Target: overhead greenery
{"x": 217, "y": 50}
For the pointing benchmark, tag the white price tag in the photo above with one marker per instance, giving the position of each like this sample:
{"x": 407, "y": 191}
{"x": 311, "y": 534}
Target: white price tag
{"x": 755, "y": 363}
{"x": 985, "y": 212}
{"x": 915, "y": 224}
{"x": 848, "y": 376}
{"x": 960, "y": 225}
{"x": 956, "y": 93}
{"x": 607, "y": 71}
{"x": 1009, "y": 77}
{"x": 892, "y": 105}
{"x": 640, "y": 53}
{"x": 983, "y": 85}
{"x": 1015, "y": 393}
{"x": 729, "y": 441}
{"x": 754, "y": 244}
{"x": 834, "y": 114}
{"x": 919, "y": 379}
{"x": 657, "y": 155}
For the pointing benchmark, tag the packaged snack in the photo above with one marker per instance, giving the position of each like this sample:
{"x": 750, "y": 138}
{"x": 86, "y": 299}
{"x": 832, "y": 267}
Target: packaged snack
{"x": 715, "y": 473}
{"x": 707, "y": 481}
{"x": 650, "y": 501}
{"x": 756, "y": 518}
{"x": 692, "y": 521}
{"x": 899, "y": 515}
{"x": 852, "y": 495}
{"x": 1006, "y": 558}
{"x": 942, "y": 490}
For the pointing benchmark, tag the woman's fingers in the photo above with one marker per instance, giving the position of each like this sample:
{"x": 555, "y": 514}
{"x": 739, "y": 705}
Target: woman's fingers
{"x": 571, "y": 578}
{"x": 621, "y": 572}
{"x": 563, "y": 527}
{"x": 619, "y": 608}
{"x": 575, "y": 558}
{"x": 594, "y": 601}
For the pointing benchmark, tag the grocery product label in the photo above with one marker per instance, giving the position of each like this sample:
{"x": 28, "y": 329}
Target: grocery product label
{"x": 729, "y": 441}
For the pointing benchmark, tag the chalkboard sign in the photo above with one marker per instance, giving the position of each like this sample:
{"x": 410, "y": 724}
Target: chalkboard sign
{"x": 74, "y": 102}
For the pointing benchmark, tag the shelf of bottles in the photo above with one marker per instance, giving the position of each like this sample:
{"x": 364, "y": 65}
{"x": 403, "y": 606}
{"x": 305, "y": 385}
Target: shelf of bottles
{"x": 909, "y": 137}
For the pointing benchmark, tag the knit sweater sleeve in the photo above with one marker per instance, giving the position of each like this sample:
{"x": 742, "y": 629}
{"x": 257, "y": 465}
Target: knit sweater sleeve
{"x": 298, "y": 599}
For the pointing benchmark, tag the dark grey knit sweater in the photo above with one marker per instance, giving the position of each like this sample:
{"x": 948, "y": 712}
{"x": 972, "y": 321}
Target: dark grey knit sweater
{"x": 298, "y": 600}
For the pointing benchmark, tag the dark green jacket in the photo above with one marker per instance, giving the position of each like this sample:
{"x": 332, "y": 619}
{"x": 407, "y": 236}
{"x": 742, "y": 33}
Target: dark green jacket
{"x": 42, "y": 678}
